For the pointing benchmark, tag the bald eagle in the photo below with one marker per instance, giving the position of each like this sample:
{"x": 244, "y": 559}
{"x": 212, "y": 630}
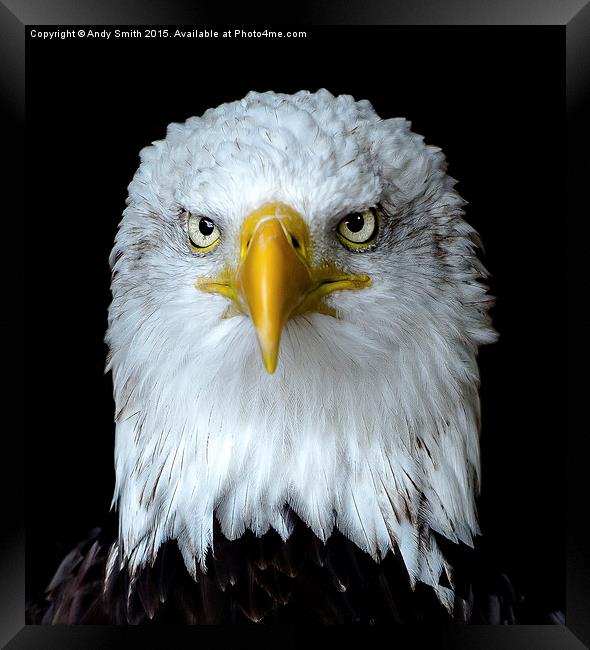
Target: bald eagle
{"x": 297, "y": 309}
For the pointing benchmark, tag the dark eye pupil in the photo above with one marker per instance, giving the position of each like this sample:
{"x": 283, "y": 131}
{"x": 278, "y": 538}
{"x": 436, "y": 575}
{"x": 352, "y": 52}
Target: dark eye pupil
{"x": 355, "y": 222}
{"x": 206, "y": 227}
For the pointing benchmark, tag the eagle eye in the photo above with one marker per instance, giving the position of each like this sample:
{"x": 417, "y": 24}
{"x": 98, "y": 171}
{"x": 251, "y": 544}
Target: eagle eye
{"x": 202, "y": 233}
{"x": 358, "y": 230}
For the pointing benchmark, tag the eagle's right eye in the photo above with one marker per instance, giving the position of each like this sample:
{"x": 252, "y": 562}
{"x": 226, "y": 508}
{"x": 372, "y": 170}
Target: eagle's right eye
{"x": 203, "y": 233}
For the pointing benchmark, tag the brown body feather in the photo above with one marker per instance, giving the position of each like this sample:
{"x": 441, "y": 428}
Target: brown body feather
{"x": 265, "y": 580}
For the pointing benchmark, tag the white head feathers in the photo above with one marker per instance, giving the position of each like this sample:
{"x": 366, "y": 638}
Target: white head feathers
{"x": 370, "y": 423}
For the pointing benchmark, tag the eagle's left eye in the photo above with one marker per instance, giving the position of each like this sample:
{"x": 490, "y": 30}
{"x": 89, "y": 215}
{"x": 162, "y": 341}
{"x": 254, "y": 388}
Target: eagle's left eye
{"x": 202, "y": 232}
{"x": 359, "y": 229}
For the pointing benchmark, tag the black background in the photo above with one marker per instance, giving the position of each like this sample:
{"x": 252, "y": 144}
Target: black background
{"x": 492, "y": 99}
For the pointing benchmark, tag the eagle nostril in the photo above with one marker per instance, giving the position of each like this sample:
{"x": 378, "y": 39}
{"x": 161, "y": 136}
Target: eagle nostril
{"x": 294, "y": 242}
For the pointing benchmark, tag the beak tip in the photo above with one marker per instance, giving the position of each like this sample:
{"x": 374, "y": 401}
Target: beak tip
{"x": 270, "y": 363}
{"x": 269, "y": 343}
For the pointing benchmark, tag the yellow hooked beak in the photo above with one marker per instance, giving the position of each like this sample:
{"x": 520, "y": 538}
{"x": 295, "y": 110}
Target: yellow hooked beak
{"x": 274, "y": 279}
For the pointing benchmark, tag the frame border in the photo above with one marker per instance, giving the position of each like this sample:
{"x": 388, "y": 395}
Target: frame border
{"x": 574, "y": 17}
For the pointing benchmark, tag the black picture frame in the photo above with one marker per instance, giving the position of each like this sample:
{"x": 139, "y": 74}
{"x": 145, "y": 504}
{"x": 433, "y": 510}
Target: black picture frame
{"x": 574, "y": 19}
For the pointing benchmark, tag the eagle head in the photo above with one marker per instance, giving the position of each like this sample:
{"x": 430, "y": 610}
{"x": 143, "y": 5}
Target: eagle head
{"x": 297, "y": 307}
